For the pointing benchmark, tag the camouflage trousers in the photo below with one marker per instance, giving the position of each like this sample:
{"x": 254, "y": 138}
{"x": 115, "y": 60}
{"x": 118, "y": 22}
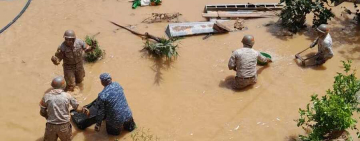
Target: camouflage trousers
{"x": 321, "y": 58}
{"x": 54, "y": 131}
{"x": 115, "y": 129}
{"x": 73, "y": 74}
{"x": 241, "y": 83}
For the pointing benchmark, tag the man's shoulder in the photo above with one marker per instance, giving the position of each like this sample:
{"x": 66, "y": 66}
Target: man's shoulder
{"x": 77, "y": 40}
{"x": 62, "y": 46}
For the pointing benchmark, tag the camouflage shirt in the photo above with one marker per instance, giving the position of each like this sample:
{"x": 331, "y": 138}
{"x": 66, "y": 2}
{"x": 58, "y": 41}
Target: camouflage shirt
{"x": 244, "y": 61}
{"x": 71, "y": 56}
{"x": 57, "y": 102}
{"x": 112, "y": 104}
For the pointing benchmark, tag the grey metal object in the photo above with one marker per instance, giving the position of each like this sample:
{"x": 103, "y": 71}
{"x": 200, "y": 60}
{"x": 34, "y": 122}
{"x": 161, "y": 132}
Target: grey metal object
{"x": 248, "y": 6}
{"x": 238, "y": 14}
{"x": 191, "y": 28}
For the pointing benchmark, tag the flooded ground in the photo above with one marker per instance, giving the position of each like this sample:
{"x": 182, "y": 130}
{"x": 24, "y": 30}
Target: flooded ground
{"x": 188, "y": 100}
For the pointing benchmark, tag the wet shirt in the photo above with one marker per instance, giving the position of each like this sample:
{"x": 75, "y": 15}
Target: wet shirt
{"x": 325, "y": 46}
{"x": 244, "y": 60}
{"x": 57, "y": 104}
{"x": 71, "y": 56}
{"x": 112, "y": 104}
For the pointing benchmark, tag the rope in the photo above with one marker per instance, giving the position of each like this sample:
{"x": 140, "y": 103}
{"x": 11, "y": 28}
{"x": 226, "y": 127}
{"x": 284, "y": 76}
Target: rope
{"x": 17, "y": 17}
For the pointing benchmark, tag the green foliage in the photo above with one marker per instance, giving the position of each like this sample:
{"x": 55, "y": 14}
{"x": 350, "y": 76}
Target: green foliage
{"x": 96, "y": 52}
{"x": 334, "y": 111}
{"x": 143, "y": 135}
{"x": 321, "y": 13}
{"x": 165, "y": 48}
{"x": 293, "y": 16}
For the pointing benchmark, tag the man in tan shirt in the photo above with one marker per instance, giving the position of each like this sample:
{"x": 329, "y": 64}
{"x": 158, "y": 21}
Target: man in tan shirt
{"x": 54, "y": 106}
{"x": 244, "y": 62}
{"x": 71, "y": 51}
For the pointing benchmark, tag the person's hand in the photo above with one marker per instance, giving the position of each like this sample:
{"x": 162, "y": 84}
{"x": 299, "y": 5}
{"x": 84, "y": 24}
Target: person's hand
{"x": 54, "y": 60}
{"x": 312, "y": 45}
{"x": 86, "y": 111}
{"x": 97, "y": 127}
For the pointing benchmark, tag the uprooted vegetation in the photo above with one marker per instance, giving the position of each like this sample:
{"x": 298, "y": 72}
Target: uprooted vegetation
{"x": 164, "y": 48}
{"x": 96, "y": 53}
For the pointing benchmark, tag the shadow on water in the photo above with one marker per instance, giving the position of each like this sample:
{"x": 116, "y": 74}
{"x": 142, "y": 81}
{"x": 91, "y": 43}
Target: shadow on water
{"x": 283, "y": 34}
{"x": 160, "y": 64}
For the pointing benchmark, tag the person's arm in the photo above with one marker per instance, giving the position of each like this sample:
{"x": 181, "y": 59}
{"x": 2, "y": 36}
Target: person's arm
{"x": 100, "y": 113}
{"x": 74, "y": 104}
{"x": 232, "y": 62}
{"x": 43, "y": 108}
{"x": 59, "y": 55}
{"x": 262, "y": 58}
{"x": 314, "y": 43}
{"x": 86, "y": 47}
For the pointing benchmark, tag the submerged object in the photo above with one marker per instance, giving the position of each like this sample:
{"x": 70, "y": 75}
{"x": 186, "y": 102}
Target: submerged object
{"x": 263, "y": 63}
{"x": 193, "y": 28}
{"x": 246, "y": 6}
{"x": 82, "y": 121}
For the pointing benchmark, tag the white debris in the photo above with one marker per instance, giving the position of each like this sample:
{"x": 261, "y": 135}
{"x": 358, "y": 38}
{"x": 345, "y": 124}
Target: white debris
{"x": 278, "y": 119}
{"x": 237, "y": 127}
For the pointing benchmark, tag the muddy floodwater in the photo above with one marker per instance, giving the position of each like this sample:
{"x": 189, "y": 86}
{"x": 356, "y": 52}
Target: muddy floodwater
{"x": 188, "y": 100}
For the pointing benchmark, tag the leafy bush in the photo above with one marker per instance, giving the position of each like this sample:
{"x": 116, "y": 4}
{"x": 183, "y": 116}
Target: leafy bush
{"x": 321, "y": 13}
{"x": 293, "y": 16}
{"x": 333, "y": 113}
{"x": 96, "y": 53}
{"x": 165, "y": 48}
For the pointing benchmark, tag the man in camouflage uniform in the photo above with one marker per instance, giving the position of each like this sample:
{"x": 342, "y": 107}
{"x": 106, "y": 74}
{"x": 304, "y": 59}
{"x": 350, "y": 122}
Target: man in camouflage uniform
{"x": 113, "y": 108}
{"x": 54, "y": 106}
{"x": 71, "y": 51}
{"x": 244, "y": 62}
{"x": 324, "y": 42}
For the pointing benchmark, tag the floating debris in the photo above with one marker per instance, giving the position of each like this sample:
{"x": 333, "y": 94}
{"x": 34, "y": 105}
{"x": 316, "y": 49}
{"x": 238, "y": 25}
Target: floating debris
{"x": 162, "y": 17}
{"x": 193, "y": 28}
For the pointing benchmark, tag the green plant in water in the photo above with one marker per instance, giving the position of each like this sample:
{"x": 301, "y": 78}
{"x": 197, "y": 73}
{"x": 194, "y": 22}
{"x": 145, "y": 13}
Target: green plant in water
{"x": 143, "y": 135}
{"x": 333, "y": 113}
{"x": 96, "y": 52}
{"x": 293, "y": 15}
{"x": 321, "y": 13}
{"x": 164, "y": 48}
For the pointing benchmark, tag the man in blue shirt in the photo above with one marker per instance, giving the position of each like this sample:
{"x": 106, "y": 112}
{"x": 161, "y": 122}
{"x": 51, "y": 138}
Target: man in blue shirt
{"x": 113, "y": 107}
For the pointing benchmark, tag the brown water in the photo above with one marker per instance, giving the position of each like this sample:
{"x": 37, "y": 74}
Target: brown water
{"x": 188, "y": 100}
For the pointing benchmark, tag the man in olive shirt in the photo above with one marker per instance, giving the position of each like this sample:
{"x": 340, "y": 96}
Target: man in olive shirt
{"x": 54, "y": 106}
{"x": 71, "y": 51}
